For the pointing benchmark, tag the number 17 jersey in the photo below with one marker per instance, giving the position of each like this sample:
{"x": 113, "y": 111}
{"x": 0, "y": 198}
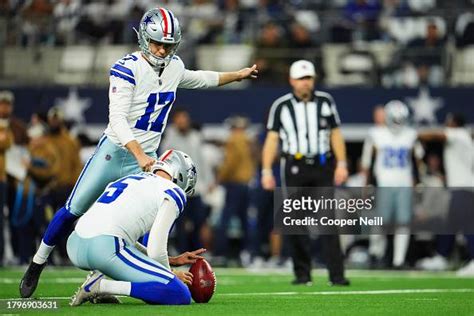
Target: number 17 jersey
{"x": 141, "y": 99}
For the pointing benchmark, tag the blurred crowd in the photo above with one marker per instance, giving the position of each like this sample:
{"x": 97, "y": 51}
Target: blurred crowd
{"x": 40, "y": 163}
{"x": 280, "y": 31}
{"x": 230, "y": 214}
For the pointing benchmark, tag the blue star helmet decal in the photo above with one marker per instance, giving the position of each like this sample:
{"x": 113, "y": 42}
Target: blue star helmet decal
{"x": 148, "y": 20}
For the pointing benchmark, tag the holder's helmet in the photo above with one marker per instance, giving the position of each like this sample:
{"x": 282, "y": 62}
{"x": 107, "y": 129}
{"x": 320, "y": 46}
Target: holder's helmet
{"x": 180, "y": 167}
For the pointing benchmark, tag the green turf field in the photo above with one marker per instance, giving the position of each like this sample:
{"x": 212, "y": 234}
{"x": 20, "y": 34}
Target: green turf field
{"x": 243, "y": 293}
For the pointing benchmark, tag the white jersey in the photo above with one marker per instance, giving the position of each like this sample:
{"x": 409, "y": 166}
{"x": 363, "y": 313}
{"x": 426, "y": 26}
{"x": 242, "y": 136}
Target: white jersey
{"x": 141, "y": 99}
{"x": 393, "y": 161}
{"x": 129, "y": 207}
{"x": 459, "y": 158}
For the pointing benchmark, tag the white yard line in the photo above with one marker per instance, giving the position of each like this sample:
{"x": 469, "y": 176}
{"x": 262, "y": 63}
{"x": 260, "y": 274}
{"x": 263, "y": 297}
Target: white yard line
{"x": 370, "y": 292}
{"x": 333, "y": 293}
{"x": 44, "y": 280}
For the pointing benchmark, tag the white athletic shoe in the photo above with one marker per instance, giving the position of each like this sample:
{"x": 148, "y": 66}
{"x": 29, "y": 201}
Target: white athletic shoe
{"x": 467, "y": 270}
{"x": 436, "y": 263}
{"x": 89, "y": 290}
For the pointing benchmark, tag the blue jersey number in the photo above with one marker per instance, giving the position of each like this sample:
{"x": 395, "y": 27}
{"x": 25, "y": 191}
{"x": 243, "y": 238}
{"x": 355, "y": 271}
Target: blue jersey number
{"x": 395, "y": 157}
{"x": 128, "y": 57}
{"x": 115, "y": 189}
{"x": 162, "y": 98}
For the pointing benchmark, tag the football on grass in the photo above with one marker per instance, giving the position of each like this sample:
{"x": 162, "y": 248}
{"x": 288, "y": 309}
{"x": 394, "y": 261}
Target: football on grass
{"x": 204, "y": 281}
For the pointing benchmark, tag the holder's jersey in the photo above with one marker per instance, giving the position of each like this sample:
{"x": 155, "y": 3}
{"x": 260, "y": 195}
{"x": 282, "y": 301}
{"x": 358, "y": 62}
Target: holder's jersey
{"x": 393, "y": 162}
{"x": 141, "y": 98}
{"x": 129, "y": 207}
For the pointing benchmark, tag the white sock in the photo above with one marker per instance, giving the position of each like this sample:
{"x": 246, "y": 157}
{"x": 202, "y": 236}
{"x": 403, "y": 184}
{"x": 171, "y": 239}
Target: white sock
{"x": 400, "y": 245}
{"x": 377, "y": 245}
{"x": 115, "y": 287}
{"x": 42, "y": 253}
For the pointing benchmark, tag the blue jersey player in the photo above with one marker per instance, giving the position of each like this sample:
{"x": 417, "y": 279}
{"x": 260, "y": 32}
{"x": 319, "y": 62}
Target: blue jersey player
{"x": 142, "y": 90}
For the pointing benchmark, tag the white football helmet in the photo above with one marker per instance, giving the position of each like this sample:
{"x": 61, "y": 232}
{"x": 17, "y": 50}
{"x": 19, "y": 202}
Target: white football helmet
{"x": 180, "y": 167}
{"x": 161, "y": 26}
{"x": 396, "y": 114}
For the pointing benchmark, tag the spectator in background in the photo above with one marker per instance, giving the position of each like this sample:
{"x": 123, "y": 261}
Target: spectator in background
{"x": 229, "y": 27}
{"x": 38, "y": 25}
{"x": 395, "y": 8}
{"x": 465, "y": 30}
{"x": 92, "y": 25}
{"x": 66, "y": 15}
{"x": 271, "y": 10}
{"x": 392, "y": 9}
{"x": 235, "y": 174}
{"x": 270, "y": 63}
{"x": 17, "y": 126}
{"x": 70, "y": 163}
{"x": 201, "y": 18}
{"x": 183, "y": 137}
{"x": 300, "y": 37}
{"x": 362, "y": 16}
{"x": 426, "y": 54}
{"x": 28, "y": 210}
{"x": 6, "y": 140}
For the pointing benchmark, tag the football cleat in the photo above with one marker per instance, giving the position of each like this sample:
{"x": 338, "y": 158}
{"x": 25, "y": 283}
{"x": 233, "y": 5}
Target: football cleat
{"x": 436, "y": 263}
{"x": 30, "y": 279}
{"x": 89, "y": 290}
{"x": 306, "y": 282}
{"x": 467, "y": 270}
{"x": 340, "y": 282}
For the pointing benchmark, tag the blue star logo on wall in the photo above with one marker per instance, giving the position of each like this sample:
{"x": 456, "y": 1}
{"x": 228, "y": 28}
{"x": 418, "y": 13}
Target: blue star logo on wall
{"x": 148, "y": 20}
{"x": 424, "y": 107}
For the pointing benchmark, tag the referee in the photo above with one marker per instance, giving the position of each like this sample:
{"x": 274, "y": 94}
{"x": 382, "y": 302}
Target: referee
{"x": 313, "y": 155}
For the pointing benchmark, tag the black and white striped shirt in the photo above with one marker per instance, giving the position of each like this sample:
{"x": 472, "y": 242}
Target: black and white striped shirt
{"x": 304, "y": 127}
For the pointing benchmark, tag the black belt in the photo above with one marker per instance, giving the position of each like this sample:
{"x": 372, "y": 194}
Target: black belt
{"x": 321, "y": 159}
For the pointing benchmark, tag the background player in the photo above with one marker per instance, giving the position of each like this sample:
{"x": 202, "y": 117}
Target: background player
{"x": 105, "y": 237}
{"x": 394, "y": 146}
{"x": 142, "y": 91}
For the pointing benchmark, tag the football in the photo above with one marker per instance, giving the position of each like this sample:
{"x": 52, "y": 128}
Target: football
{"x": 204, "y": 281}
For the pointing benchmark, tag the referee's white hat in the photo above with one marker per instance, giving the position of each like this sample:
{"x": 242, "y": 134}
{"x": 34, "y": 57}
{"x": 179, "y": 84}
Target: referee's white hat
{"x": 302, "y": 68}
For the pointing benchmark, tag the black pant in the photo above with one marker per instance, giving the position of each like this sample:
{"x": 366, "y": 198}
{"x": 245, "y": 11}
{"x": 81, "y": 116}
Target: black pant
{"x": 188, "y": 226}
{"x": 300, "y": 173}
{"x": 236, "y": 203}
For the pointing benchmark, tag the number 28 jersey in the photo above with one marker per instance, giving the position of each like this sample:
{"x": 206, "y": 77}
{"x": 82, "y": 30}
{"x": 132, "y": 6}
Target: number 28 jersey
{"x": 394, "y": 150}
{"x": 140, "y": 100}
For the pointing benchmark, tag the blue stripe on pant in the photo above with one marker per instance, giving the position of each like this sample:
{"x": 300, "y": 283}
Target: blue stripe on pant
{"x": 151, "y": 281}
